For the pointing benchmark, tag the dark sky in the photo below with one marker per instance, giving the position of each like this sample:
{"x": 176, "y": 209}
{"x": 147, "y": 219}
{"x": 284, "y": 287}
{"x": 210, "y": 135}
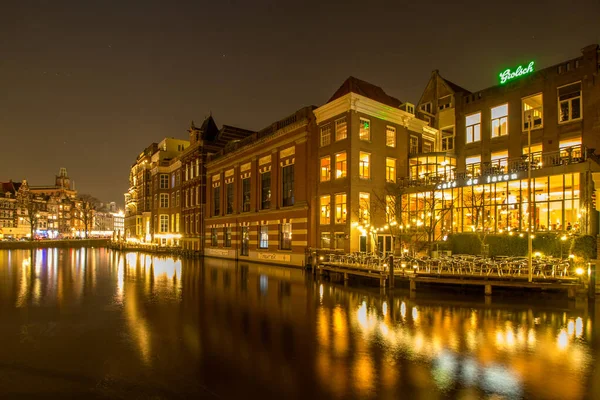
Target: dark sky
{"x": 88, "y": 84}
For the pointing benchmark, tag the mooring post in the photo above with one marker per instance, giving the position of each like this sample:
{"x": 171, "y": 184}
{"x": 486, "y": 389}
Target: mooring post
{"x": 413, "y": 285}
{"x": 488, "y": 290}
{"x": 592, "y": 280}
{"x": 391, "y": 271}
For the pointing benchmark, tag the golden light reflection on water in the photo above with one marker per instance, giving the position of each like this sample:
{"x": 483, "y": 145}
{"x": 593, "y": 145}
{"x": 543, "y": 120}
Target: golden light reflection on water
{"x": 495, "y": 352}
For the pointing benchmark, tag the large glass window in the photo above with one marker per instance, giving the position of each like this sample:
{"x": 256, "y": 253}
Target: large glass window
{"x": 227, "y": 238}
{"x": 340, "y": 165}
{"x": 246, "y": 194}
{"x": 448, "y": 139}
{"x": 413, "y": 145}
{"x": 164, "y": 181}
{"x": 340, "y": 208}
{"x": 229, "y": 190}
{"x": 390, "y": 136}
{"x": 390, "y": 169}
{"x": 390, "y": 208}
{"x": 341, "y": 129}
{"x": 364, "y": 165}
{"x": 325, "y": 240}
{"x": 263, "y": 237}
{"x": 473, "y": 131}
{"x": 216, "y": 200}
{"x": 285, "y": 236}
{"x": 164, "y": 200}
{"x": 214, "y": 237}
{"x": 364, "y": 208}
{"x": 533, "y": 110}
{"x": 288, "y": 185}
{"x": 325, "y": 169}
{"x": 473, "y": 165}
{"x": 325, "y": 210}
{"x": 339, "y": 239}
{"x": 265, "y": 190}
{"x": 569, "y": 102}
{"x": 364, "y": 132}
{"x": 500, "y": 120}
{"x": 245, "y": 240}
{"x": 164, "y": 223}
{"x": 325, "y": 135}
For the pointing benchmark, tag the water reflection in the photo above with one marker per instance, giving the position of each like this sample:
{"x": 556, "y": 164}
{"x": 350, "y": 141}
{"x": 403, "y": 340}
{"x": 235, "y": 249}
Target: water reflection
{"x": 180, "y": 327}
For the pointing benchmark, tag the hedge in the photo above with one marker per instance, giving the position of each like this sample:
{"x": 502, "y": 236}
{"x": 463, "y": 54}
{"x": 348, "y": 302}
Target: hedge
{"x": 514, "y": 245}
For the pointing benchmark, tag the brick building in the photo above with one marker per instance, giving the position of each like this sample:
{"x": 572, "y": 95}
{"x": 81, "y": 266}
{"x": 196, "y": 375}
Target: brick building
{"x": 477, "y": 178}
{"x": 259, "y": 193}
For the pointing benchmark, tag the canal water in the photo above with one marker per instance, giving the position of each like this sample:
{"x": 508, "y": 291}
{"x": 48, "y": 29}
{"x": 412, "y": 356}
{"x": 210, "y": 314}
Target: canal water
{"x": 96, "y": 323}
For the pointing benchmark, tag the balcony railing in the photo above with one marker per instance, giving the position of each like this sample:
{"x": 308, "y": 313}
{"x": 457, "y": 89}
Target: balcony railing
{"x": 538, "y": 160}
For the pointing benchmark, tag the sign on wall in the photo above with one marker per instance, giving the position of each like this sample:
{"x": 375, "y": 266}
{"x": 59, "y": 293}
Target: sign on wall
{"x": 509, "y": 75}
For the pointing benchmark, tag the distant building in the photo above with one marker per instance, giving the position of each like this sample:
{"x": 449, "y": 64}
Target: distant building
{"x": 9, "y": 211}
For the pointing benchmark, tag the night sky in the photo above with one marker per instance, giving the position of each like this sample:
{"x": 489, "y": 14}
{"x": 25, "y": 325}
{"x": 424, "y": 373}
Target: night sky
{"x": 89, "y": 84}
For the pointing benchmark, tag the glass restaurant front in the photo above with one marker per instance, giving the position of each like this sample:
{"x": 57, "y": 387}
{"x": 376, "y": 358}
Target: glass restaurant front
{"x": 497, "y": 204}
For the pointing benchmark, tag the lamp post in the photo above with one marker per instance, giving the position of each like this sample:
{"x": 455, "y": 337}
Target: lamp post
{"x": 529, "y": 205}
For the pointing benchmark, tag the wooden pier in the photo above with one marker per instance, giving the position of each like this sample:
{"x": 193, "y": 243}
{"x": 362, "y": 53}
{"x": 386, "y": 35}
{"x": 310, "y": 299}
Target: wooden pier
{"x": 571, "y": 285}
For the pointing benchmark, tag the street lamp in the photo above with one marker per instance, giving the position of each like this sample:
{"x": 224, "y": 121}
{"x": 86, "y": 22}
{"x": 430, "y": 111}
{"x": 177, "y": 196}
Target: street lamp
{"x": 530, "y": 208}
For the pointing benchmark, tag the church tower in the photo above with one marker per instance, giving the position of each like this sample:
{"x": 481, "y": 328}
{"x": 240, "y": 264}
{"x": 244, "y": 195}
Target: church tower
{"x": 62, "y": 179}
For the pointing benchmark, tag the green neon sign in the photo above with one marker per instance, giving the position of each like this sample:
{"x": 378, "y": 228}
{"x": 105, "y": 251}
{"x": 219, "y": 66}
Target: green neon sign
{"x": 509, "y": 75}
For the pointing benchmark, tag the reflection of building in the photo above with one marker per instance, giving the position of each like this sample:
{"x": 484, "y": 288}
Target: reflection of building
{"x": 477, "y": 180}
{"x": 258, "y": 193}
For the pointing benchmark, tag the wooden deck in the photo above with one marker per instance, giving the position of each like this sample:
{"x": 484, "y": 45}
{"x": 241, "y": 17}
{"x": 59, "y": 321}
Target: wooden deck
{"x": 571, "y": 285}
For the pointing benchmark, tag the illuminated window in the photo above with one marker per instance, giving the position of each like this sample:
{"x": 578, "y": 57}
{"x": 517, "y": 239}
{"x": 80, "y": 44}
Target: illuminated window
{"x": 473, "y": 130}
{"x": 473, "y": 165}
{"x": 364, "y": 132}
{"x": 390, "y": 169}
{"x": 325, "y": 210}
{"x": 427, "y": 146}
{"x": 340, "y": 165}
{"x": 569, "y": 102}
{"x": 325, "y": 135}
{"x": 499, "y": 161}
{"x": 265, "y": 190}
{"x": 164, "y": 181}
{"x": 164, "y": 223}
{"x": 285, "y": 235}
{"x": 245, "y": 240}
{"x": 364, "y": 165}
{"x": 390, "y": 208}
{"x": 364, "y": 206}
{"x": 325, "y": 169}
{"x": 413, "y": 145}
{"x": 533, "y": 110}
{"x": 341, "y": 129}
{"x": 390, "y": 136}
{"x": 500, "y": 120}
{"x": 263, "y": 237}
{"x": 227, "y": 238}
{"x": 339, "y": 240}
{"x": 340, "y": 208}
{"x": 164, "y": 200}
{"x": 214, "y": 237}
{"x": 325, "y": 240}
{"x": 448, "y": 139}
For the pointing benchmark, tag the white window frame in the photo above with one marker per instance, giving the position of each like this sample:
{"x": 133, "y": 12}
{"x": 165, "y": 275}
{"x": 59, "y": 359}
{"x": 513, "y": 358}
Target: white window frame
{"x": 163, "y": 201}
{"x": 361, "y": 129}
{"x": 411, "y": 146}
{"x": 390, "y": 132}
{"x": 500, "y": 119}
{"x": 338, "y": 124}
{"x": 570, "y": 101}
{"x": 325, "y": 135}
{"x": 390, "y": 172}
{"x": 327, "y": 178}
{"x": 473, "y": 126}
{"x": 364, "y": 165}
{"x": 526, "y": 113}
{"x": 451, "y": 137}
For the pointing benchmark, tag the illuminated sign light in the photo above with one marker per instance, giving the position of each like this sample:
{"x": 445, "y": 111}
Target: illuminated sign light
{"x": 509, "y": 75}
{"x": 475, "y": 181}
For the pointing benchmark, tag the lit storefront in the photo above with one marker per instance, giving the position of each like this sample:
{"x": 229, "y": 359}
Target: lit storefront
{"x": 494, "y": 199}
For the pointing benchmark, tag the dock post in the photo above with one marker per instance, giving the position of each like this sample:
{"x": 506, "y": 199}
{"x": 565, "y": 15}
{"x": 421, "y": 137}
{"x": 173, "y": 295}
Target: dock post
{"x": 592, "y": 280}
{"x": 413, "y": 285}
{"x": 391, "y": 271}
{"x": 382, "y": 281}
{"x": 488, "y": 290}
{"x": 572, "y": 292}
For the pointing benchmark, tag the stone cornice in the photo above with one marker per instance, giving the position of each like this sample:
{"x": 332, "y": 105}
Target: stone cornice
{"x": 367, "y": 106}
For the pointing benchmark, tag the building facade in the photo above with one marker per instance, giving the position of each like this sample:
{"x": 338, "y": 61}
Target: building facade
{"x": 544, "y": 122}
{"x": 259, "y": 194}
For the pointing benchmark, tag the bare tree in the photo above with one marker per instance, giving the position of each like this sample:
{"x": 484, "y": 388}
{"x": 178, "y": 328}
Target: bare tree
{"x": 30, "y": 205}
{"x": 474, "y": 201}
{"x": 85, "y": 212}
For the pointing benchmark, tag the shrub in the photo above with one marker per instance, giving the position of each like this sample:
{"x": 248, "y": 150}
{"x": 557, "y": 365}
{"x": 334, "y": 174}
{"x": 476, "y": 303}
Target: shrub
{"x": 584, "y": 247}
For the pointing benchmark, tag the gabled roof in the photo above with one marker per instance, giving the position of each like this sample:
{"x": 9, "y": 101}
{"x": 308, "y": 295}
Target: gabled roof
{"x": 209, "y": 129}
{"x": 363, "y": 88}
{"x": 454, "y": 86}
{"x": 10, "y": 187}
